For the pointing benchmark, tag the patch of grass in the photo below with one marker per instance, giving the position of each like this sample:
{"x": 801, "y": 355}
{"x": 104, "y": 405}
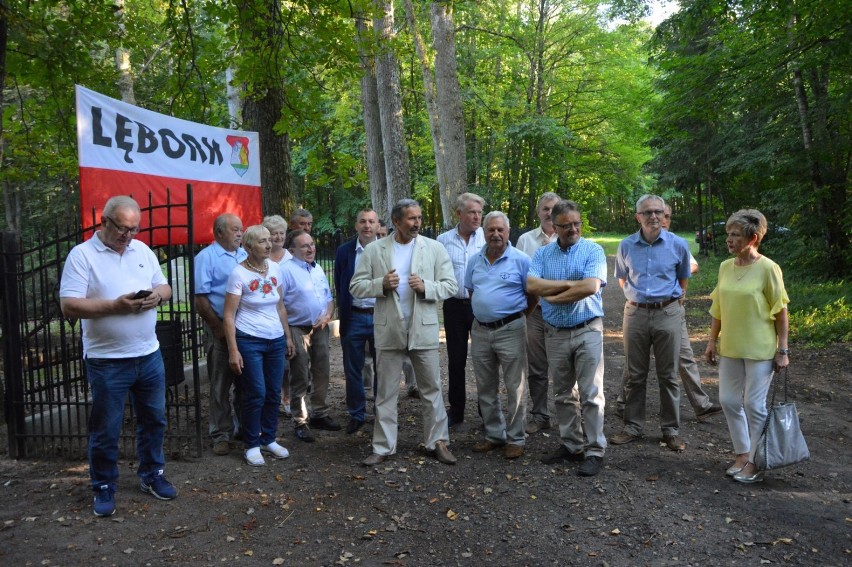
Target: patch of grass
{"x": 608, "y": 240}
{"x": 820, "y": 313}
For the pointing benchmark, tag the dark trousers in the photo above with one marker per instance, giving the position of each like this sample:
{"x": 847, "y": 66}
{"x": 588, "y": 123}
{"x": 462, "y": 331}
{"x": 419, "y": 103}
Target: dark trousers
{"x": 458, "y": 319}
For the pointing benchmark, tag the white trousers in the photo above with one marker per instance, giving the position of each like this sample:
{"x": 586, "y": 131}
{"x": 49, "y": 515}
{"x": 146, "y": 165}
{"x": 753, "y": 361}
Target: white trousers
{"x": 743, "y": 385}
{"x": 427, "y": 373}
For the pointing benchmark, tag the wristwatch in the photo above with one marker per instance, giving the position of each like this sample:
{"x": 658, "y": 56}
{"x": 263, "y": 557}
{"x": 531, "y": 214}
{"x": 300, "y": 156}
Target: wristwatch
{"x": 784, "y": 351}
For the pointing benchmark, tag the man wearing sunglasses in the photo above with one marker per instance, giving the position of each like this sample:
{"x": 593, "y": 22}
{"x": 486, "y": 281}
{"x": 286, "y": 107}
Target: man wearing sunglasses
{"x": 101, "y": 284}
{"x": 653, "y": 269}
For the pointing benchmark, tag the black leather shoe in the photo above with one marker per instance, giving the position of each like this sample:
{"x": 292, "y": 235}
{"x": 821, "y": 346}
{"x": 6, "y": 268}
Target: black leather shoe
{"x": 325, "y": 422}
{"x": 562, "y": 454}
{"x": 354, "y": 425}
{"x": 591, "y": 466}
{"x": 304, "y": 434}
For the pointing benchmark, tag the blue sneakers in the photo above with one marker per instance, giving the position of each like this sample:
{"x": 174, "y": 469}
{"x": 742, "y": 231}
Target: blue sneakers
{"x": 104, "y": 504}
{"x": 158, "y": 487}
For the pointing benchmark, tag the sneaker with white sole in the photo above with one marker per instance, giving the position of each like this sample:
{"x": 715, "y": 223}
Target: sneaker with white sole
{"x": 158, "y": 487}
{"x": 104, "y": 504}
{"x": 254, "y": 458}
{"x": 276, "y": 450}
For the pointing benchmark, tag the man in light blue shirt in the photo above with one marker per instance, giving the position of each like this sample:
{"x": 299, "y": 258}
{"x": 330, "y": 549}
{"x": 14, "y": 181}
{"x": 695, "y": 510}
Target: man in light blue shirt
{"x": 310, "y": 306}
{"x": 213, "y": 265}
{"x": 568, "y": 276}
{"x": 653, "y": 269}
{"x": 496, "y": 280}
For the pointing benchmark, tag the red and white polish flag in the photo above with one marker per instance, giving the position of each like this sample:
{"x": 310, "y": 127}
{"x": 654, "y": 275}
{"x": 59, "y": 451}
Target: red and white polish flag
{"x": 127, "y": 150}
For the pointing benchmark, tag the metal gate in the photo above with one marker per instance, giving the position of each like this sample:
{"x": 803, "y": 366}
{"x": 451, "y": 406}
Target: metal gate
{"x": 47, "y": 398}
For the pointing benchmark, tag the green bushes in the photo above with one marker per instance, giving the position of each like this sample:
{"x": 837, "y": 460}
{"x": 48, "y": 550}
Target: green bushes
{"x": 820, "y": 311}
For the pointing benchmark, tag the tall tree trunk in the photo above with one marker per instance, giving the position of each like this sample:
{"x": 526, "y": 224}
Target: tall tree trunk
{"x": 261, "y": 114}
{"x": 262, "y": 108}
{"x": 372, "y": 122}
{"x": 431, "y": 98}
{"x": 390, "y": 107}
{"x": 450, "y": 111}
{"x": 122, "y": 59}
{"x": 235, "y": 103}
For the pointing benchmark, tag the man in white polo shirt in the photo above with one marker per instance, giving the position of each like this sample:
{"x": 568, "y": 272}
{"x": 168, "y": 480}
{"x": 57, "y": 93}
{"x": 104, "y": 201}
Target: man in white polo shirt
{"x": 114, "y": 284}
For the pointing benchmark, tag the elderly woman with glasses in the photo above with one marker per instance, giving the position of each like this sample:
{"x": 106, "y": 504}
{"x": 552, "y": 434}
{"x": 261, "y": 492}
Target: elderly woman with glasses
{"x": 748, "y": 336}
{"x": 259, "y": 341}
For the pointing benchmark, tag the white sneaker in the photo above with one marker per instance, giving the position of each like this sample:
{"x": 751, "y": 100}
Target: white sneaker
{"x": 276, "y": 450}
{"x": 254, "y": 458}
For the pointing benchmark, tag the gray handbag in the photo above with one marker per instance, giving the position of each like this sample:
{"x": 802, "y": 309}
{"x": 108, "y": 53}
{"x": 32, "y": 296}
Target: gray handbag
{"x": 781, "y": 443}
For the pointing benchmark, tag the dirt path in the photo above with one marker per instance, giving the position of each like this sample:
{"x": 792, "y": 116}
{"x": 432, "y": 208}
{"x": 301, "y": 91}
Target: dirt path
{"x": 648, "y": 506}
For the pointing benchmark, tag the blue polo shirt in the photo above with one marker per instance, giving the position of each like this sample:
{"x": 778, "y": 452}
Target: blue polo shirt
{"x": 651, "y": 270}
{"x": 501, "y": 288}
{"x": 213, "y": 266}
{"x": 585, "y": 259}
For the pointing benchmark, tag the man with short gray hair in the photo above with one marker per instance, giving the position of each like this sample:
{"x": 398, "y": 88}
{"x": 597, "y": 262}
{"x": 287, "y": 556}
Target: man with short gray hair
{"x": 652, "y": 266}
{"x": 114, "y": 284}
{"x": 461, "y": 243}
{"x": 496, "y": 280}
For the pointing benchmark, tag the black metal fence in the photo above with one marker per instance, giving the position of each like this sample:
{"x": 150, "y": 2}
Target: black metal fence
{"x": 46, "y": 392}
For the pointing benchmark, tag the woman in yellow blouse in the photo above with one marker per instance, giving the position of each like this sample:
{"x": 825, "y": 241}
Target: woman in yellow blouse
{"x": 748, "y": 336}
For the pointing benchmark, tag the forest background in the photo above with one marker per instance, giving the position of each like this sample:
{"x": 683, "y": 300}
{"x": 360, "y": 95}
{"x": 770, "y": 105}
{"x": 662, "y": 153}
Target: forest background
{"x": 725, "y": 104}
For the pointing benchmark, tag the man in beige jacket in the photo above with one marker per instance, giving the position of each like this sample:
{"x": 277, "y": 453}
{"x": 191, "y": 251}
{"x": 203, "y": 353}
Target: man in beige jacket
{"x": 409, "y": 275}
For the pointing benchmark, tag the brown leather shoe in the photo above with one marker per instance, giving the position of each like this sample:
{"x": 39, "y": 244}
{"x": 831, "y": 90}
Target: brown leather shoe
{"x": 674, "y": 443}
{"x": 373, "y": 460}
{"x": 221, "y": 448}
{"x": 622, "y": 438}
{"x": 536, "y": 426}
{"x": 484, "y": 446}
{"x": 513, "y": 451}
{"x": 442, "y": 454}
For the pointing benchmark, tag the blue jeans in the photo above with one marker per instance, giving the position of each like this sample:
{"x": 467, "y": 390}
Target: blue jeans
{"x": 264, "y": 361}
{"x": 358, "y": 334}
{"x": 110, "y": 380}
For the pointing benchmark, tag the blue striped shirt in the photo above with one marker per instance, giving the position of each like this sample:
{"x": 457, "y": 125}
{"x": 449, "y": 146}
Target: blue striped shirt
{"x": 585, "y": 259}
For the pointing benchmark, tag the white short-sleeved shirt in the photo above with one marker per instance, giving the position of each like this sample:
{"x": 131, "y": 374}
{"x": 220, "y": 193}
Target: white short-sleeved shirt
{"x": 257, "y": 314}
{"x": 95, "y": 271}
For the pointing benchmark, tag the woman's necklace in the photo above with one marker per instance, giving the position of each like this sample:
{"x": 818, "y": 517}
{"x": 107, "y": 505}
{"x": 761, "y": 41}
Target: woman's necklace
{"x": 254, "y": 268}
{"x": 747, "y": 268}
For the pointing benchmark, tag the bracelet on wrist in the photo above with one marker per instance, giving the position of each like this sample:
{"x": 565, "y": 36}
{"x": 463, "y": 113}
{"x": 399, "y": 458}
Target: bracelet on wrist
{"x": 784, "y": 351}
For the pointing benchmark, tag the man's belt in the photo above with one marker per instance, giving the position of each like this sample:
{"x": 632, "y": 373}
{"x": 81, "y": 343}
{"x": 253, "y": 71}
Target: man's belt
{"x": 466, "y": 300}
{"x": 364, "y": 310}
{"x": 503, "y": 321}
{"x": 657, "y": 305}
{"x": 579, "y": 325}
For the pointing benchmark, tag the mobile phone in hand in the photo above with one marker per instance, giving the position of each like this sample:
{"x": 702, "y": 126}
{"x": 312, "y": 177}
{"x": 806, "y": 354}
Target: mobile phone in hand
{"x": 142, "y": 293}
